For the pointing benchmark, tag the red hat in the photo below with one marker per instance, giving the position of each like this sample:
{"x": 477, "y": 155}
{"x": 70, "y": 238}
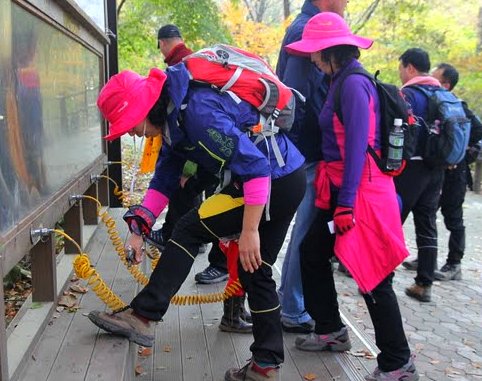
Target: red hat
{"x": 127, "y": 98}
{"x": 323, "y": 31}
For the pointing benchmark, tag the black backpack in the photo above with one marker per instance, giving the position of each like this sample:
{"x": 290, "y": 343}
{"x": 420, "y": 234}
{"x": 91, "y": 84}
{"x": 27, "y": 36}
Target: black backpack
{"x": 447, "y": 126}
{"x": 392, "y": 106}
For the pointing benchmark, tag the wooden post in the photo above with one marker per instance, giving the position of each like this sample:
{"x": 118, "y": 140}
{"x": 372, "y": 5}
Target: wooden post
{"x": 90, "y": 207}
{"x": 44, "y": 271}
{"x": 103, "y": 190}
{"x": 73, "y": 223}
{"x": 3, "y": 333}
{"x": 477, "y": 176}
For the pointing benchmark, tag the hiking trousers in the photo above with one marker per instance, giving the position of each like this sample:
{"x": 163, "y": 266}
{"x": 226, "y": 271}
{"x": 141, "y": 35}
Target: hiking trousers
{"x": 419, "y": 188}
{"x": 321, "y": 300}
{"x": 223, "y": 217}
{"x": 451, "y": 201}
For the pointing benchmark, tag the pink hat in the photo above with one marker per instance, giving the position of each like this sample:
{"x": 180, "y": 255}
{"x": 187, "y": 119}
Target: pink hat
{"x": 325, "y": 30}
{"x": 127, "y": 98}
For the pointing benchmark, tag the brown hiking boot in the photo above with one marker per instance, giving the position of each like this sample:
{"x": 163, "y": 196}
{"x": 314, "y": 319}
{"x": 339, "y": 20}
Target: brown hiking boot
{"x": 253, "y": 372}
{"x": 124, "y": 323}
{"x": 421, "y": 293}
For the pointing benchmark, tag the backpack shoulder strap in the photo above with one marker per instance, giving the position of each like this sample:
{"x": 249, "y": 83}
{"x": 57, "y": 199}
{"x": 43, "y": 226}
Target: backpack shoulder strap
{"x": 337, "y": 94}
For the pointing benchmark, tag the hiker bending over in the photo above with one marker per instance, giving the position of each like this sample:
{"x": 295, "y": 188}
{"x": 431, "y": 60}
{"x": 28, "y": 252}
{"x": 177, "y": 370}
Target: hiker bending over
{"x": 210, "y": 129}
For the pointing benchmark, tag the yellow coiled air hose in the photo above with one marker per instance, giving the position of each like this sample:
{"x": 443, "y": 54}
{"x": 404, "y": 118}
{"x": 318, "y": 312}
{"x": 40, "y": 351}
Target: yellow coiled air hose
{"x": 84, "y": 270}
{"x": 154, "y": 254}
{"x": 117, "y": 241}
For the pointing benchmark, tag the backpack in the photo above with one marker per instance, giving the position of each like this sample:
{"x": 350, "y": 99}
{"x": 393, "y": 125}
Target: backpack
{"x": 248, "y": 77}
{"x": 447, "y": 126}
{"x": 392, "y": 106}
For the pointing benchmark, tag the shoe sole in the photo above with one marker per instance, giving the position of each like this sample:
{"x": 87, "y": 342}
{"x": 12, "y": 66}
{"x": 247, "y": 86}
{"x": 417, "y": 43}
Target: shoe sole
{"x": 444, "y": 279}
{"x": 145, "y": 341}
{"x": 329, "y": 348}
{"x": 409, "y": 267}
{"x": 211, "y": 281}
{"x": 412, "y": 377}
{"x": 226, "y": 328}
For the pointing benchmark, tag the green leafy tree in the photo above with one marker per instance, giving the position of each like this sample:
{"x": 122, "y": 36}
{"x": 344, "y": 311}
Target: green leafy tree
{"x": 139, "y": 20}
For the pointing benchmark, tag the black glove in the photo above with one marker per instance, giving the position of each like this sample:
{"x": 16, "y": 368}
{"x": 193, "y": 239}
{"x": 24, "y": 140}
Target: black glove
{"x": 139, "y": 219}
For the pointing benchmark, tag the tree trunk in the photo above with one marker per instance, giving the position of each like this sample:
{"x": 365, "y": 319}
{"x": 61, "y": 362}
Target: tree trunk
{"x": 286, "y": 9}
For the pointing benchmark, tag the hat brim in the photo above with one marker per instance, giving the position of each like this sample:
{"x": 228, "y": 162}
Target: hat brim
{"x": 140, "y": 105}
{"x": 308, "y": 46}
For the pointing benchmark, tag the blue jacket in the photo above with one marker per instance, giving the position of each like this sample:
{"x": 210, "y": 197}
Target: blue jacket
{"x": 299, "y": 73}
{"x": 209, "y": 129}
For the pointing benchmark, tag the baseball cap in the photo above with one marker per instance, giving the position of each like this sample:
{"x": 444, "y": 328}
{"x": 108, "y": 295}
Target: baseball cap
{"x": 168, "y": 31}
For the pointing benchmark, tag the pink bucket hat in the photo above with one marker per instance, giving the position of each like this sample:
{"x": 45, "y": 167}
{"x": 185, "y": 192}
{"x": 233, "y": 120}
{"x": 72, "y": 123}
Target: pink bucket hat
{"x": 127, "y": 98}
{"x": 325, "y": 30}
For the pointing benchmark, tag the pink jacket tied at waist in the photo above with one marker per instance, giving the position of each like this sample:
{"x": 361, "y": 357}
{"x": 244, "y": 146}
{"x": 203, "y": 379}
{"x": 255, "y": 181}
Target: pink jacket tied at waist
{"x": 376, "y": 245}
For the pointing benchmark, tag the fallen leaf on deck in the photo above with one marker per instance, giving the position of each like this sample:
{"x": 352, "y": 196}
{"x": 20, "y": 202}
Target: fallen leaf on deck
{"x": 78, "y": 288}
{"x": 144, "y": 352}
{"x": 167, "y": 348}
{"x": 433, "y": 362}
{"x": 139, "y": 370}
{"x": 310, "y": 376}
{"x": 68, "y": 300}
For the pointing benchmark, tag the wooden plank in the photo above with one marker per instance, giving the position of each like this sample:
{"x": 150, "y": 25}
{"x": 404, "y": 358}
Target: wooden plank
{"x": 44, "y": 278}
{"x": 90, "y": 207}
{"x": 47, "y": 350}
{"x": 73, "y": 222}
{"x": 112, "y": 352}
{"x": 220, "y": 345}
{"x": 79, "y": 343}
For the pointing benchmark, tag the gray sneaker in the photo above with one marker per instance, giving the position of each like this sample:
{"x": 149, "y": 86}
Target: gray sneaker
{"x": 124, "y": 323}
{"x": 449, "y": 272}
{"x": 336, "y": 341}
{"x": 253, "y": 372}
{"x": 408, "y": 372}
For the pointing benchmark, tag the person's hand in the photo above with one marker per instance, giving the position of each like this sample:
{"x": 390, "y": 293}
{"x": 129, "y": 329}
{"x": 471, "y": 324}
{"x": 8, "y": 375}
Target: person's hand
{"x": 343, "y": 219}
{"x": 183, "y": 181}
{"x": 136, "y": 243}
{"x": 249, "y": 250}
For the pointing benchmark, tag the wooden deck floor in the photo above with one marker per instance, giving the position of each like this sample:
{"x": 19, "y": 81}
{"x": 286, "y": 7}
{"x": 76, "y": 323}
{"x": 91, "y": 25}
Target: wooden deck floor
{"x": 189, "y": 346}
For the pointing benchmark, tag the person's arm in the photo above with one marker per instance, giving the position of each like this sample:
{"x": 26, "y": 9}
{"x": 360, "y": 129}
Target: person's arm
{"x": 475, "y": 125}
{"x": 141, "y": 218}
{"x": 249, "y": 243}
{"x": 356, "y": 108}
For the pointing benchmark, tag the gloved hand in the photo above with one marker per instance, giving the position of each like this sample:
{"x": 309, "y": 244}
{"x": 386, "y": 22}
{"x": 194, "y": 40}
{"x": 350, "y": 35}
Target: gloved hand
{"x": 344, "y": 219}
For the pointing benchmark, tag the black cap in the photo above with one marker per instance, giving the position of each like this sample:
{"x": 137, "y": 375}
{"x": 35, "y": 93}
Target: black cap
{"x": 168, "y": 31}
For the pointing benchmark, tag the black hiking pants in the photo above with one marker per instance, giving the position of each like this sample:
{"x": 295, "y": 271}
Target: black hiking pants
{"x": 225, "y": 219}
{"x": 419, "y": 188}
{"x": 451, "y": 201}
{"x": 321, "y": 298}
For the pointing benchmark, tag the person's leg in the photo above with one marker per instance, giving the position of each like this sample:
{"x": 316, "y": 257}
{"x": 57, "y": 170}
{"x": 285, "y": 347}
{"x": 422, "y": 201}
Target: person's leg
{"x": 317, "y": 275}
{"x": 267, "y": 348}
{"x": 293, "y": 313}
{"x": 424, "y": 216}
{"x": 319, "y": 289}
{"x": 389, "y": 334}
{"x": 409, "y": 186}
{"x": 451, "y": 201}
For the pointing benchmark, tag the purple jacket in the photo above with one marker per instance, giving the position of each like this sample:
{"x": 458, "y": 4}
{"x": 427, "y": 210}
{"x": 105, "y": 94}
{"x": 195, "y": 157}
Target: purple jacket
{"x": 348, "y": 142}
